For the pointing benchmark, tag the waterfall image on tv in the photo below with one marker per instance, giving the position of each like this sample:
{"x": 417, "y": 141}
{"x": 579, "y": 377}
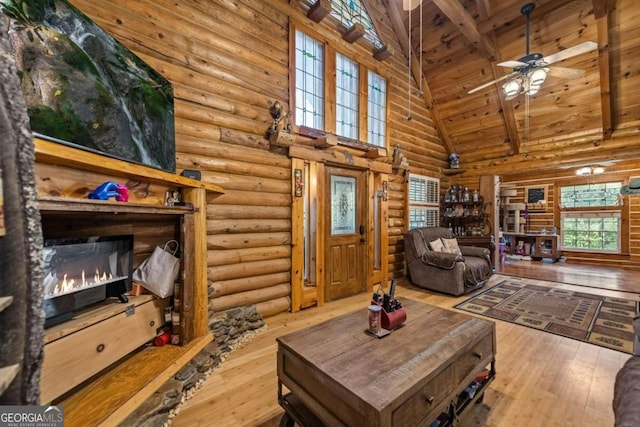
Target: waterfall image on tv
{"x": 85, "y": 89}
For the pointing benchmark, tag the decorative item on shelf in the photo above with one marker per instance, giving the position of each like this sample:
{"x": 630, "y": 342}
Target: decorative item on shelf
{"x": 454, "y": 161}
{"x": 453, "y": 197}
{"x": 399, "y": 160}
{"x": 109, "y": 189}
{"x": 466, "y": 195}
{"x": 281, "y": 119}
{"x": 172, "y": 198}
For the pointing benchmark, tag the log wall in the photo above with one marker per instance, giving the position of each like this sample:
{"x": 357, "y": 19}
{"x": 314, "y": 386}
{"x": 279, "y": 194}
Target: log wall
{"x": 228, "y": 61}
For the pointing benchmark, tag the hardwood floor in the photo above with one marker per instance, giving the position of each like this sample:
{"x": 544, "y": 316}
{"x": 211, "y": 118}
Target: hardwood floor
{"x": 542, "y": 379}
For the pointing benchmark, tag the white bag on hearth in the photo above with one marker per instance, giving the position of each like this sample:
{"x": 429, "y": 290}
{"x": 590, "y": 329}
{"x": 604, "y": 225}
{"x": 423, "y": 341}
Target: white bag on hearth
{"x": 159, "y": 272}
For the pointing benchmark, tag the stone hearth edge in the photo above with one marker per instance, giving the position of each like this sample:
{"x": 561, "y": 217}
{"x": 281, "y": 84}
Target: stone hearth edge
{"x": 231, "y": 330}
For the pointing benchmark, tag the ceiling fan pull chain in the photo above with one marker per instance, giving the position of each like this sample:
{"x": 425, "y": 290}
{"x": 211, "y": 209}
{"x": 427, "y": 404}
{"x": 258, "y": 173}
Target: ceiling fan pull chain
{"x": 421, "y": 48}
{"x": 409, "y": 48}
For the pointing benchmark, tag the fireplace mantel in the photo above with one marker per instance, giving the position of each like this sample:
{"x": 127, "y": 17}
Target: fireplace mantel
{"x": 64, "y": 176}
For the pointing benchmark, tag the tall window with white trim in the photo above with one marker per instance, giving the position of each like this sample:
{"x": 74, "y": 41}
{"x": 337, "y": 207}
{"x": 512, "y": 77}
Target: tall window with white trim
{"x": 591, "y": 217}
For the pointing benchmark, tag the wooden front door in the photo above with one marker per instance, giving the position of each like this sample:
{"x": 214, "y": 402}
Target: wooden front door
{"x": 345, "y": 219}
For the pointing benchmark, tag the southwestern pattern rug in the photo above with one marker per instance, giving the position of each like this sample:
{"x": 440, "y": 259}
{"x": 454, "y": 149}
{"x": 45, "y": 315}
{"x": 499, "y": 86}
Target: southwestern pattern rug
{"x": 600, "y": 320}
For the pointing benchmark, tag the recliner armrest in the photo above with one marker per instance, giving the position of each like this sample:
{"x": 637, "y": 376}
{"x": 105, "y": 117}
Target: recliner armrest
{"x": 443, "y": 260}
{"x": 476, "y": 251}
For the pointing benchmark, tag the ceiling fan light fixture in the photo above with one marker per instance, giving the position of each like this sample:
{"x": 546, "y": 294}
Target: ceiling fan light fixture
{"x": 532, "y": 89}
{"x": 589, "y": 170}
{"x": 537, "y": 77}
{"x": 512, "y": 89}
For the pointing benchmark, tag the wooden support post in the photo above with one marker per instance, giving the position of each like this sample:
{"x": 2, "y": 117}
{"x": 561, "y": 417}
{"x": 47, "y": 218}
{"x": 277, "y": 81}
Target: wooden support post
{"x": 199, "y": 327}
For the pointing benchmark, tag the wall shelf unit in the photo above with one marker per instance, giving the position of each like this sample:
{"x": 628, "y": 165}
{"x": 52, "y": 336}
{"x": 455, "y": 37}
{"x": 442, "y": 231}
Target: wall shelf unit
{"x": 537, "y": 246}
{"x": 463, "y": 212}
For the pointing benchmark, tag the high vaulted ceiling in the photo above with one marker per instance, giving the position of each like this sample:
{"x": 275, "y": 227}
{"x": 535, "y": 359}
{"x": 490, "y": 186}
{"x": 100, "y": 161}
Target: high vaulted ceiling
{"x": 569, "y": 122}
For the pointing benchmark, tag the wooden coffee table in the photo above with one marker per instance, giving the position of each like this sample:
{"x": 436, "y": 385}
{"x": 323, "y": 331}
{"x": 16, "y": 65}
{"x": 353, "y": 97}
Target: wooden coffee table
{"x": 338, "y": 374}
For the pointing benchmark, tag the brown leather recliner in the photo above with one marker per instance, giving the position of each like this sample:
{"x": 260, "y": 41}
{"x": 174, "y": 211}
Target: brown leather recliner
{"x": 454, "y": 274}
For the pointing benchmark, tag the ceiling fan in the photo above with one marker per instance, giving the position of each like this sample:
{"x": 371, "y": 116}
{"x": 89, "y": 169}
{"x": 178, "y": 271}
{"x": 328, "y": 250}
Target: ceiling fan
{"x": 530, "y": 71}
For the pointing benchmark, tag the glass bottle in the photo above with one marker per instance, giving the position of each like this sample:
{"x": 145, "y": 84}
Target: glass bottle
{"x": 475, "y": 196}
{"x": 465, "y": 195}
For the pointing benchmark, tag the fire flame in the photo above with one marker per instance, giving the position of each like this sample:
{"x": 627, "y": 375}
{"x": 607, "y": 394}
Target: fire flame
{"x": 68, "y": 285}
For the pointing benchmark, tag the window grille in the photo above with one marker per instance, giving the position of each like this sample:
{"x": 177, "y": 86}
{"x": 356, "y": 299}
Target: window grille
{"x": 377, "y": 111}
{"x": 309, "y": 108}
{"x": 347, "y": 95}
{"x": 591, "y": 217}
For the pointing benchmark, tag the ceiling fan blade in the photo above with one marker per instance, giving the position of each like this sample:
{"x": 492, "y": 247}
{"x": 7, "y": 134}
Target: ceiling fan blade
{"x": 566, "y": 73}
{"x": 482, "y": 86}
{"x": 570, "y": 52}
{"x": 512, "y": 64}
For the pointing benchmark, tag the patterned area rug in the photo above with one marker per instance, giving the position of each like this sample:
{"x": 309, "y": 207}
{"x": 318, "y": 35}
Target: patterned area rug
{"x": 600, "y": 320}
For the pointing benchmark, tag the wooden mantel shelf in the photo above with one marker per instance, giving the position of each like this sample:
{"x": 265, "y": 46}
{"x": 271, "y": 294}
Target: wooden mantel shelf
{"x": 108, "y": 400}
{"x": 450, "y": 172}
{"x": 52, "y": 204}
{"x": 60, "y": 154}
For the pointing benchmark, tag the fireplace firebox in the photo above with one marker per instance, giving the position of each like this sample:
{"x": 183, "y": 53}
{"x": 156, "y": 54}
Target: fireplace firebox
{"x": 79, "y": 272}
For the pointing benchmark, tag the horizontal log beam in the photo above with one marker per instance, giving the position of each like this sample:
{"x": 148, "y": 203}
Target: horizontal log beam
{"x": 255, "y": 296}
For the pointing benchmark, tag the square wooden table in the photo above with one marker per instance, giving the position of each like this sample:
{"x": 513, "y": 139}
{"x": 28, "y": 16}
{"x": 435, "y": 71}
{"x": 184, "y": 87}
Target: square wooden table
{"x": 338, "y": 374}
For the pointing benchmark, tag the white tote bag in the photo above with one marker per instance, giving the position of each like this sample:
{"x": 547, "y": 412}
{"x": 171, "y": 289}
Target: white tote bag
{"x": 159, "y": 272}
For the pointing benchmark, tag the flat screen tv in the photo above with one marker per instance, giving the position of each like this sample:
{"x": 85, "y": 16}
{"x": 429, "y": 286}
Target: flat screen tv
{"x": 85, "y": 89}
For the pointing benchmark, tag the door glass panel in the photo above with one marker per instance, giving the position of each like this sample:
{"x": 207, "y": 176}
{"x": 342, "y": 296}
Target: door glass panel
{"x": 343, "y": 203}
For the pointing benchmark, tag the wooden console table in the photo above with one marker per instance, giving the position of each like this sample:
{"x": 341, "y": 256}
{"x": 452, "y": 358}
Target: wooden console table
{"x": 338, "y": 374}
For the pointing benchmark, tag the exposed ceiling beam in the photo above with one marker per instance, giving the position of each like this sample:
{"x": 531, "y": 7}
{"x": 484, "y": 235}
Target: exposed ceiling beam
{"x": 456, "y": 13}
{"x": 508, "y": 113}
{"x": 503, "y": 16}
{"x": 601, "y": 10}
{"x": 484, "y": 9}
{"x": 393, "y": 8}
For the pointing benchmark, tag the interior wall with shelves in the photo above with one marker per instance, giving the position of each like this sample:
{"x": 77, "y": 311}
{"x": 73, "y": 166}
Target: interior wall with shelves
{"x": 463, "y": 212}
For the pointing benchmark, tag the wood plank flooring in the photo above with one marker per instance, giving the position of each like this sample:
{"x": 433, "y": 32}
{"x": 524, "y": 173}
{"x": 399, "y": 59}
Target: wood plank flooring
{"x": 542, "y": 379}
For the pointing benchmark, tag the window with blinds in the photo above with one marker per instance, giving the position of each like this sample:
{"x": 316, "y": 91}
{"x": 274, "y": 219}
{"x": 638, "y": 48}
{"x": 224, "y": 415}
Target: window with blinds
{"x": 424, "y": 201}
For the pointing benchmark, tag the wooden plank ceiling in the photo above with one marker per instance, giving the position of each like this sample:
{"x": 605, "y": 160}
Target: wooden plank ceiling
{"x": 464, "y": 40}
